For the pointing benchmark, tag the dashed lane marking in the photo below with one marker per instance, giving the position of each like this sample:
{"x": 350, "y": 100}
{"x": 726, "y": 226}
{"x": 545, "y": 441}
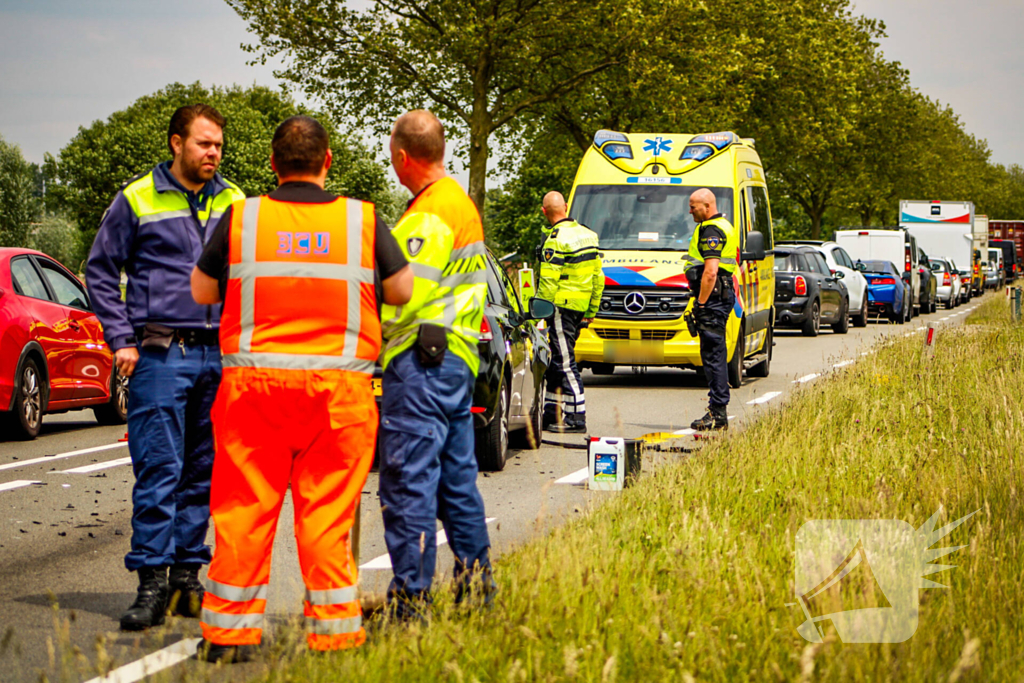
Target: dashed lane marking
{"x": 764, "y": 398}
{"x": 806, "y": 378}
{"x": 60, "y": 456}
{"x": 922, "y": 327}
{"x": 946, "y": 318}
{"x": 85, "y": 469}
{"x": 16, "y": 484}
{"x": 384, "y": 561}
{"x": 577, "y": 477}
{"x": 844, "y": 363}
{"x": 151, "y": 664}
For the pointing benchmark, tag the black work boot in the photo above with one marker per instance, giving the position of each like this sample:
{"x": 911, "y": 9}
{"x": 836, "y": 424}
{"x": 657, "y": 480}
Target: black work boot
{"x": 186, "y": 592}
{"x": 571, "y": 425}
{"x": 714, "y": 419}
{"x": 150, "y": 603}
{"x": 229, "y": 654}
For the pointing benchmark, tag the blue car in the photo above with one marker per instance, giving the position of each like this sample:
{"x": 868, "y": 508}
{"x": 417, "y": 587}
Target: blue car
{"x": 888, "y": 294}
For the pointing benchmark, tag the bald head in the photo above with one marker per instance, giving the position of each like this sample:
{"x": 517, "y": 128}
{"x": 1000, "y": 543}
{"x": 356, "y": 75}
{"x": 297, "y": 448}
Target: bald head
{"x": 703, "y": 204}
{"x": 554, "y": 207}
{"x": 420, "y": 135}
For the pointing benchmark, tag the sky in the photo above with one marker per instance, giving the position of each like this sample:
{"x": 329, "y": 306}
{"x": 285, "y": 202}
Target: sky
{"x": 66, "y": 63}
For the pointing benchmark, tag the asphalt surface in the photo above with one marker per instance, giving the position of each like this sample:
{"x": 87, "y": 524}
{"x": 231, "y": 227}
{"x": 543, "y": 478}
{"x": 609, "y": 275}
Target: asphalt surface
{"x": 63, "y": 536}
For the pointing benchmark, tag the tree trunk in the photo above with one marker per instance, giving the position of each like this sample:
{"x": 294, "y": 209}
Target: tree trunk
{"x": 816, "y": 224}
{"x": 480, "y": 128}
{"x": 866, "y": 212}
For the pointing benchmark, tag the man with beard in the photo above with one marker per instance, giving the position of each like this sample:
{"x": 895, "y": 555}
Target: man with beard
{"x": 155, "y": 230}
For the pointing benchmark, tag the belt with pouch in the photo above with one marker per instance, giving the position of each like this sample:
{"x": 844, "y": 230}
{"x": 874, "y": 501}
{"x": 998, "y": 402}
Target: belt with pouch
{"x": 154, "y": 335}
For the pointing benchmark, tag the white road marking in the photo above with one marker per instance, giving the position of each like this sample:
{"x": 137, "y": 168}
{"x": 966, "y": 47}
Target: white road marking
{"x": 151, "y": 664}
{"x": 909, "y": 334}
{"x": 85, "y": 469}
{"x": 806, "y": 378}
{"x": 764, "y": 398}
{"x": 59, "y": 456}
{"x": 681, "y": 432}
{"x": 17, "y": 484}
{"x": 946, "y": 318}
{"x": 577, "y": 477}
{"x": 922, "y": 327}
{"x": 844, "y": 363}
{"x": 384, "y": 561}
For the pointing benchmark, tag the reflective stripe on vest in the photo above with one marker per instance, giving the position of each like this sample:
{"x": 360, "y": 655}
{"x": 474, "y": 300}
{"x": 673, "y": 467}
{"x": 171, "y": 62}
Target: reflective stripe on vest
{"x": 300, "y": 290}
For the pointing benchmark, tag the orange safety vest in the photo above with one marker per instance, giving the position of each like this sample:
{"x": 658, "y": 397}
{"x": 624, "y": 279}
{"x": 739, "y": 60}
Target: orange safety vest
{"x": 300, "y": 292}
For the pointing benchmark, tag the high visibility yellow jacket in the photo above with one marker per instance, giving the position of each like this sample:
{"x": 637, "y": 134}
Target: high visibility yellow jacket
{"x": 570, "y": 268}
{"x": 715, "y": 238}
{"x": 442, "y": 237}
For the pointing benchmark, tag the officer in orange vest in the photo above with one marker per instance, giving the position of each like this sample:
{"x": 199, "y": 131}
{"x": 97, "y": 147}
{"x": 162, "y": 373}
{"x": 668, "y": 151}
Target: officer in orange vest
{"x": 298, "y": 272}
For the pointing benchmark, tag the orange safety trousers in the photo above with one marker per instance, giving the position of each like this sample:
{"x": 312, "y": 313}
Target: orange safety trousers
{"x": 317, "y": 430}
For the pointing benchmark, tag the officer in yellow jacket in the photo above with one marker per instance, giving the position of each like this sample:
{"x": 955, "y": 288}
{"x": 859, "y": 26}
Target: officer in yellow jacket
{"x": 572, "y": 279}
{"x": 714, "y": 257}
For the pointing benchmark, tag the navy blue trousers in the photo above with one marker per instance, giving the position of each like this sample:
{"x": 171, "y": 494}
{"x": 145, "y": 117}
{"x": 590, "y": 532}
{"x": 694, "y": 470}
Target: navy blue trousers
{"x": 714, "y": 355}
{"x": 170, "y": 438}
{"x": 428, "y": 472}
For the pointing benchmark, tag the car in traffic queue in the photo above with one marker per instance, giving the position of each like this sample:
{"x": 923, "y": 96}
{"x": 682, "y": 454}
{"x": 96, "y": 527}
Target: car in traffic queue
{"x": 888, "y": 293}
{"x": 895, "y": 245}
{"x": 993, "y": 266}
{"x": 840, "y": 262}
{"x": 53, "y": 358}
{"x": 508, "y": 398}
{"x": 949, "y": 282}
{"x": 928, "y": 296}
{"x": 807, "y": 293}
{"x": 633, "y": 190}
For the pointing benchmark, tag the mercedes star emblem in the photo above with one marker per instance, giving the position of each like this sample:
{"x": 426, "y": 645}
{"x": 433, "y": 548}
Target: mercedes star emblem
{"x": 635, "y": 303}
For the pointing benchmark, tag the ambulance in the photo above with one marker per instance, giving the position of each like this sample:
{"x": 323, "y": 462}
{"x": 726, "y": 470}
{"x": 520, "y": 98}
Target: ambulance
{"x": 634, "y": 190}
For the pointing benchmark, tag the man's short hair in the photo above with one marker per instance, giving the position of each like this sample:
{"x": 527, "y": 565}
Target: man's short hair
{"x": 300, "y": 146}
{"x": 182, "y": 118}
{"x": 421, "y": 135}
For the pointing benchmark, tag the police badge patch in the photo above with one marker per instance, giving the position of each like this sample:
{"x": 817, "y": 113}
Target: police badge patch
{"x": 413, "y": 245}
{"x": 549, "y": 254}
{"x": 712, "y": 243}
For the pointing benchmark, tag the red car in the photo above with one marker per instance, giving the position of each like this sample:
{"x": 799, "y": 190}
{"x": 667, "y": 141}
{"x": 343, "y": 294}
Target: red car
{"x": 52, "y": 354}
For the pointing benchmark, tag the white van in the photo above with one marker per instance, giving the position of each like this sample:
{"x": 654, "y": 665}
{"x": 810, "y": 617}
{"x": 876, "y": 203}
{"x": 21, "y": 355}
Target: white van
{"x": 993, "y": 267}
{"x": 897, "y": 246}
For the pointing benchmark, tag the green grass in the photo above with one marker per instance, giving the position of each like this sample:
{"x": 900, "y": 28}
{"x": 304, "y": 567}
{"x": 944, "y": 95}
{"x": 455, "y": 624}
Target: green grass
{"x": 687, "y": 574}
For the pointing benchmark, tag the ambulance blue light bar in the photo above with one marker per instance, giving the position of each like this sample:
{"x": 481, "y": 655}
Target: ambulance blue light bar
{"x": 696, "y": 153}
{"x": 603, "y": 136}
{"x": 719, "y": 140}
{"x": 617, "y": 151}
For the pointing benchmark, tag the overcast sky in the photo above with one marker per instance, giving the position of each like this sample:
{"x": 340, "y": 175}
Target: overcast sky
{"x": 67, "y": 63}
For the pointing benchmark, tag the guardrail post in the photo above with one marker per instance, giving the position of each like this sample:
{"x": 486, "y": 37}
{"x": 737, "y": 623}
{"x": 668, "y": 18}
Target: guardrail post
{"x": 1016, "y": 303}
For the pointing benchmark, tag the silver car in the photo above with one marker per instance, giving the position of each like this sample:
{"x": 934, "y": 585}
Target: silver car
{"x": 948, "y": 281}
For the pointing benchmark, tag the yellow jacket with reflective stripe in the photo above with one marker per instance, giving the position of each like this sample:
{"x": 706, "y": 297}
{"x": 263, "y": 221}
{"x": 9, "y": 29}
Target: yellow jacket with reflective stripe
{"x": 570, "y": 268}
{"x": 451, "y": 287}
{"x": 730, "y": 252}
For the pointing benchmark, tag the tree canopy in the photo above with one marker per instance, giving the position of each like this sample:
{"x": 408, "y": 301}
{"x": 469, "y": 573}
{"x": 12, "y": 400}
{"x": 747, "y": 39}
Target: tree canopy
{"x": 18, "y": 206}
{"x": 102, "y": 157}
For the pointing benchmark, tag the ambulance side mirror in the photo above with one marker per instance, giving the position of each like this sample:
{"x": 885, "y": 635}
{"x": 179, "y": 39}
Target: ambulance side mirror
{"x": 755, "y": 247}
{"x": 541, "y": 309}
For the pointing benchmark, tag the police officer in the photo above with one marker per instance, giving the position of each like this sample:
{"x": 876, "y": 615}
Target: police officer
{"x": 167, "y": 343}
{"x": 713, "y": 258}
{"x": 428, "y": 469}
{"x": 572, "y": 279}
{"x": 300, "y": 337}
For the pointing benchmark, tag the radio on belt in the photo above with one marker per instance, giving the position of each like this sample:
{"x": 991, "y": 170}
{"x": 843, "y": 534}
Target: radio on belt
{"x": 614, "y": 463}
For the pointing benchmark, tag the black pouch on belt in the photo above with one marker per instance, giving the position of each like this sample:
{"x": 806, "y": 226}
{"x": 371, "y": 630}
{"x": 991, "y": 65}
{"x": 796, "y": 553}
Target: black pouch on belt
{"x": 431, "y": 344}
{"x": 157, "y": 336}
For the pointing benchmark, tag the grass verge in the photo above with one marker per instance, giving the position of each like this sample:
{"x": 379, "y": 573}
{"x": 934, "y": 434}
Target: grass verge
{"x": 687, "y": 575}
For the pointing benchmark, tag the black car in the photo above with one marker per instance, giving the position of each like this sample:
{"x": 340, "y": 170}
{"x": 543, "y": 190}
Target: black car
{"x": 508, "y": 399}
{"x": 807, "y": 294}
{"x": 928, "y": 296}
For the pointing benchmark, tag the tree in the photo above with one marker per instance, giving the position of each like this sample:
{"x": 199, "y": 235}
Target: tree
{"x": 59, "y": 237}
{"x": 91, "y": 168}
{"x": 18, "y": 206}
{"x": 479, "y": 66}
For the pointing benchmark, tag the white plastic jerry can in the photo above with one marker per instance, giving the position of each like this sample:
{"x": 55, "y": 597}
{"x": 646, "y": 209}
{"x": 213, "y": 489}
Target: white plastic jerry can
{"x": 607, "y": 464}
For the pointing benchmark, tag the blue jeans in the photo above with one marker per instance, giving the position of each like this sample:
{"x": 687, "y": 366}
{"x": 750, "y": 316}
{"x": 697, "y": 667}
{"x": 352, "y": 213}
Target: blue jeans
{"x": 428, "y": 472}
{"x": 171, "y": 443}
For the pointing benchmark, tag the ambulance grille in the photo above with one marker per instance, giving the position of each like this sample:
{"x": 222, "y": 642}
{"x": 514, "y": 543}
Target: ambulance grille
{"x": 653, "y": 303}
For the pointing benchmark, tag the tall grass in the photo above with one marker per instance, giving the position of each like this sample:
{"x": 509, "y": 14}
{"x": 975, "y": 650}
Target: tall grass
{"x": 686, "y": 575}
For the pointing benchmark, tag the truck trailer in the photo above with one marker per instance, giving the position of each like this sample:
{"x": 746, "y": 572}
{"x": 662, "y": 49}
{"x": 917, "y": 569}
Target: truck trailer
{"x": 951, "y": 231}
{"x": 1014, "y": 232}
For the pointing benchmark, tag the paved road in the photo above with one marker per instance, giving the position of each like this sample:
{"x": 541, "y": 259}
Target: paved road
{"x": 65, "y": 506}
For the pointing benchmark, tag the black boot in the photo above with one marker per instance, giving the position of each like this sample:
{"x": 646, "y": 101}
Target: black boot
{"x": 186, "y": 592}
{"x": 571, "y": 424}
{"x": 229, "y": 654}
{"x": 714, "y": 419}
{"x": 150, "y": 603}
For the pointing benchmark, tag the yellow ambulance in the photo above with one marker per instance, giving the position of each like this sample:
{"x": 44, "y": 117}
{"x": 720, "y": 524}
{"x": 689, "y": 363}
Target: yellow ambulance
{"x": 633, "y": 190}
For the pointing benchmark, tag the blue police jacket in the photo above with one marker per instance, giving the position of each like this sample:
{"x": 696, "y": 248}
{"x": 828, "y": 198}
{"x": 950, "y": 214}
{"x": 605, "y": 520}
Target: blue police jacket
{"x": 155, "y": 230}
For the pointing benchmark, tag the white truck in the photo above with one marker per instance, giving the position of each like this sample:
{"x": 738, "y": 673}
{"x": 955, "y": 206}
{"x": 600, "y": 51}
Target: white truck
{"x": 882, "y": 244}
{"x": 948, "y": 230}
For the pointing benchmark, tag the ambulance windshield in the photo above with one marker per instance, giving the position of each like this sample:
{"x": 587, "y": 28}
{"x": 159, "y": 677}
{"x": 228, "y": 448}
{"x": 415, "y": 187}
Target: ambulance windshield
{"x": 642, "y": 216}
